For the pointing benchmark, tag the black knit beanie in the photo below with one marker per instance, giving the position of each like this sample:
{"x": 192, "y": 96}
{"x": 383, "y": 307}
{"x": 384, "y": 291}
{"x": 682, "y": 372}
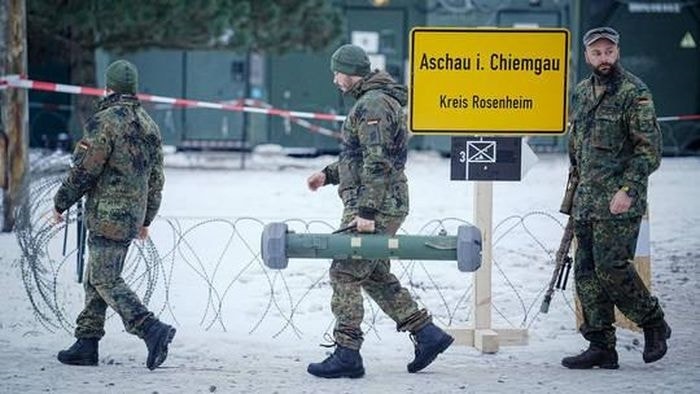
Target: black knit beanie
{"x": 351, "y": 60}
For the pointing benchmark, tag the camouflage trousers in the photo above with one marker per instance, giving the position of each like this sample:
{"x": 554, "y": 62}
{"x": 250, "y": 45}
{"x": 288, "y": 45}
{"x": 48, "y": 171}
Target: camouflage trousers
{"x": 104, "y": 287}
{"x": 605, "y": 278}
{"x": 349, "y": 277}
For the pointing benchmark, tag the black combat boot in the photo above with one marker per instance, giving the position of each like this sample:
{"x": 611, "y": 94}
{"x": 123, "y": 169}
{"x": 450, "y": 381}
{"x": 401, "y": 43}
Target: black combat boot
{"x": 655, "y": 337}
{"x": 343, "y": 363}
{"x": 158, "y": 336}
{"x": 594, "y": 356}
{"x": 83, "y": 352}
{"x": 429, "y": 341}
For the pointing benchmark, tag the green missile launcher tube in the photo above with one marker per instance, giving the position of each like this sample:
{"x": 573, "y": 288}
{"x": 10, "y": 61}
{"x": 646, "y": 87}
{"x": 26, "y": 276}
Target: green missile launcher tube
{"x": 278, "y": 245}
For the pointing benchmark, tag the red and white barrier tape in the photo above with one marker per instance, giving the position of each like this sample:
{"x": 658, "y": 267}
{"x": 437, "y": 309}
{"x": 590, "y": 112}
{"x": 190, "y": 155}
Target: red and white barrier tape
{"x": 19, "y": 82}
{"x": 239, "y": 105}
{"x": 677, "y": 118}
{"x": 300, "y": 122}
{"x": 247, "y": 102}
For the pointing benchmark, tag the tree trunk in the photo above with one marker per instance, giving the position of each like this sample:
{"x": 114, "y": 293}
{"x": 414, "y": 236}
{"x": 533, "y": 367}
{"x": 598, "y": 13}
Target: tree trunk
{"x": 14, "y": 108}
{"x": 82, "y": 63}
{"x": 3, "y": 100}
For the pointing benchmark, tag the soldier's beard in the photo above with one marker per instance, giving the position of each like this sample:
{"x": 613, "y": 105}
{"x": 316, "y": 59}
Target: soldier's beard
{"x": 605, "y": 70}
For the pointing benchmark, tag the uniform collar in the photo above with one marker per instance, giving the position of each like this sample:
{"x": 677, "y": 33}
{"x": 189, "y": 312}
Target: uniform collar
{"x": 115, "y": 99}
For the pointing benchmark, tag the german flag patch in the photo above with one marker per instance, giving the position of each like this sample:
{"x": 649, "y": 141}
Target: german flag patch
{"x": 83, "y": 145}
{"x": 372, "y": 122}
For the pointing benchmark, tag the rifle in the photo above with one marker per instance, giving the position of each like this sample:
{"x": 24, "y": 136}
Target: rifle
{"x": 563, "y": 261}
{"x": 82, "y": 230}
{"x": 562, "y": 267}
{"x": 65, "y": 232}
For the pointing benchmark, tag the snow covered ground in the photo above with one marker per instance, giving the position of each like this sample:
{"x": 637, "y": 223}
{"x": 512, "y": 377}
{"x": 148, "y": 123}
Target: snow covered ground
{"x": 244, "y": 328}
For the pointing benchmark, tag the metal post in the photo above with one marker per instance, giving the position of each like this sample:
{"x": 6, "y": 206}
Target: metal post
{"x": 183, "y": 111}
{"x": 246, "y": 117}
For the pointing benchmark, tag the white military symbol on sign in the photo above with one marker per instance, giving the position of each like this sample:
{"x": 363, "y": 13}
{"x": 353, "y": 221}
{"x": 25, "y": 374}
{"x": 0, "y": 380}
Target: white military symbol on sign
{"x": 481, "y": 151}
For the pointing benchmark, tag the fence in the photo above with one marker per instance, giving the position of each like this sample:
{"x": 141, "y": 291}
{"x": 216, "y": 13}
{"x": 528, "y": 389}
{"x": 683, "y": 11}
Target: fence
{"x": 208, "y": 271}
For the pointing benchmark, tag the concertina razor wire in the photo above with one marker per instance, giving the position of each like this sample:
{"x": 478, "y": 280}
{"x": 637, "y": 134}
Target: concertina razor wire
{"x": 217, "y": 262}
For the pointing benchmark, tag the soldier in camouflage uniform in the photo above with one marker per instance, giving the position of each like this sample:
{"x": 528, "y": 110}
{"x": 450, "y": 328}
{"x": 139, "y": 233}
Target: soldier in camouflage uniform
{"x": 614, "y": 146}
{"x": 373, "y": 187}
{"x": 118, "y": 165}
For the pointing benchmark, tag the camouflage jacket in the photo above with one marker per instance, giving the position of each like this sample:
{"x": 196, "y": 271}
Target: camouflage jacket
{"x": 370, "y": 168}
{"x": 118, "y": 164}
{"x": 615, "y": 143}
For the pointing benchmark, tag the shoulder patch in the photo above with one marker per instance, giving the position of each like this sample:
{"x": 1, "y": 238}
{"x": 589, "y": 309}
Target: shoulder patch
{"x": 372, "y": 121}
{"x": 643, "y": 100}
{"x": 84, "y": 145}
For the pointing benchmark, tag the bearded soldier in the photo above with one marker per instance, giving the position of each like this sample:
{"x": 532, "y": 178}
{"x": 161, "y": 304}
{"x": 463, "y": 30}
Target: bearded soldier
{"x": 614, "y": 146}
